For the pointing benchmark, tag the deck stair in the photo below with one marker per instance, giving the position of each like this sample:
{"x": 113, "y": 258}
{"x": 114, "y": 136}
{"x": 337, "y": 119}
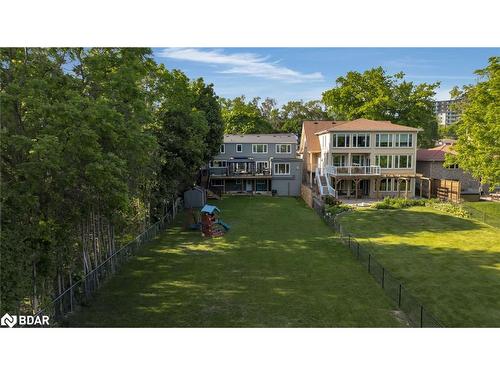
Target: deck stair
{"x": 212, "y": 195}
{"x": 323, "y": 182}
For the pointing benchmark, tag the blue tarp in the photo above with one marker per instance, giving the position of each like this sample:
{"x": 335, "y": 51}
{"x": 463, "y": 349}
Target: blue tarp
{"x": 209, "y": 209}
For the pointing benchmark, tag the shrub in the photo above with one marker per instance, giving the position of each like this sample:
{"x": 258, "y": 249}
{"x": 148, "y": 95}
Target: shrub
{"x": 451, "y": 208}
{"x": 331, "y": 201}
{"x": 393, "y": 203}
{"x": 336, "y": 209}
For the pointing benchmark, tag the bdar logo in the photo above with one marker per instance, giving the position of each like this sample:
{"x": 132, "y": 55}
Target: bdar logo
{"x": 8, "y": 320}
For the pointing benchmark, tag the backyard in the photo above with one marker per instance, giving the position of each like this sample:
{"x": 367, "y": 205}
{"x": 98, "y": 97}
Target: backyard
{"x": 485, "y": 211}
{"x": 451, "y": 264}
{"x": 278, "y": 266}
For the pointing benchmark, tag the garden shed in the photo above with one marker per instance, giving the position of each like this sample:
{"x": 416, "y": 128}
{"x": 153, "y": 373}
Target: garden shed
{"x": 196, "y": 197}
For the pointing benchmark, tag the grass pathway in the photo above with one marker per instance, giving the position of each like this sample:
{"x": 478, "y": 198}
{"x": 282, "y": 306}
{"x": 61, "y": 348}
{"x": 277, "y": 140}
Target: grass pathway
{"x": 278, "y": 266}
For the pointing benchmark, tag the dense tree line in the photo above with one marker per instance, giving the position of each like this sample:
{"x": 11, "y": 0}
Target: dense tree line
{"x": 478, "y": 130}
{"x": 94, "y": 145}
{"x": 264, "y": 116}
{"x": 372, "y": 94}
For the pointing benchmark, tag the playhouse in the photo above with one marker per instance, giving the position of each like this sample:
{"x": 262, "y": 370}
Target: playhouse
{"x": 211, "y": 224}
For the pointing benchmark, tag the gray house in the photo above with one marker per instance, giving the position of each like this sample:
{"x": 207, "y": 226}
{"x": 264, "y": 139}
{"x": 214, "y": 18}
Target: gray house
{"x": 257, "y": 164}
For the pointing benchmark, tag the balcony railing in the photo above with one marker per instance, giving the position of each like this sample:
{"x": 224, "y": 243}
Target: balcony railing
{"x": 225, "y": 172}
{"x": 352, "y": 170}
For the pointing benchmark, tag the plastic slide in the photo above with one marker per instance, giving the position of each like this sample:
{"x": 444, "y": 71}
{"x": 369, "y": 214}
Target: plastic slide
{"x": 226, "y": 226}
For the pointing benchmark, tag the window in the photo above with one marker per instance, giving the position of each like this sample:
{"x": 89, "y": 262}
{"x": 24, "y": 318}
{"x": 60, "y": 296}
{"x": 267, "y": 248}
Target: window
{"x": 338, "y": 160}
{"x": 404, "y": 185}
{"x": 261, "y": 166}
{"x": 260, "y": 148}
{"x": 452, "y": 166}
{"x": 341, "y": 140}
{"x": 384, "y": 161}
{"x": 404, "y": 140}
{"x": 222, "y": 149}
{"x": 383, "y": 140}
{"x": 386, "y": 184}
{"x": 361, "y": 140}
{"x": 282, "y": 168}
{"x": 239, "y": 148}
{"x": 261, "y": 185}
{"x": 402, "y": 161}
{"x": 218, "y": 164}
{"x": 284, "y": 149}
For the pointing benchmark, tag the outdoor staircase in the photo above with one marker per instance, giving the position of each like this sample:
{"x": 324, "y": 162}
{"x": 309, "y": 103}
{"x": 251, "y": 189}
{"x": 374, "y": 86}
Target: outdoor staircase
{"x": 212, "y": 195}
{"x": 323, "y": 182}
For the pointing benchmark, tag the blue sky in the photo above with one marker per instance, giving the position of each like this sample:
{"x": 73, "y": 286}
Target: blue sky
{"x": 304, "y": 73}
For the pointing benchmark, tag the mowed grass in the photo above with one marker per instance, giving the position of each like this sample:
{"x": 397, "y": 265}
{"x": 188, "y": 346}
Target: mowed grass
{"x": 491, "y": 211}
{"x": 452, "y": 265}
{"x": 278, "y": 266}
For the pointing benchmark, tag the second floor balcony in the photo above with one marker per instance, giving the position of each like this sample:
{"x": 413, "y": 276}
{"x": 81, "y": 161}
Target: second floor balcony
{"x": 241, "y": 168}
{"x": 353, "y": 170}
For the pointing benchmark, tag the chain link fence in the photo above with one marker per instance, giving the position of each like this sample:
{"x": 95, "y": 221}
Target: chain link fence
{"x": 414, "y": 310}
{"x": 80, "y": 292}
{"x": 492, "y": 220}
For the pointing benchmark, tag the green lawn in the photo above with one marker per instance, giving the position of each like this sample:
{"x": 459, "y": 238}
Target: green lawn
{"x": 278, "y": 266}
{"x": 491, "y": 211}
{"x": 452, "y": 265}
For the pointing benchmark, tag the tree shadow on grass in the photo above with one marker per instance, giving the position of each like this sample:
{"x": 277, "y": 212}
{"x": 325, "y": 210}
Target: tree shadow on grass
{"x": 185, "y": 281}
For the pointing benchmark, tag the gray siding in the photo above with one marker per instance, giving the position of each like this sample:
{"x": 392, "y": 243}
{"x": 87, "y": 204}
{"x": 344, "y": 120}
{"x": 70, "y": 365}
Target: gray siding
{"x": 289, "y": 185}
{"x": 230, "y": 152}
{"x": 435, "y": 169}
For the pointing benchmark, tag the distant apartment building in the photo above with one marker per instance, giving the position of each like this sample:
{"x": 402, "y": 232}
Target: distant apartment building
{"x": 444, "y": 113}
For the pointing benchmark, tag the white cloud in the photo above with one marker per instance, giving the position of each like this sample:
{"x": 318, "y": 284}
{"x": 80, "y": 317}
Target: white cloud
{"x": 249, "y": 64}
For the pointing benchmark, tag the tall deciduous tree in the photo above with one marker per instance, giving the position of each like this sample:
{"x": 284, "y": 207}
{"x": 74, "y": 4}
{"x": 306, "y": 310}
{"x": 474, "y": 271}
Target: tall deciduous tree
{"x": 478, "y": 130}
{"x": 293, "y": 113}
{"x": 376, "y": 95}
{"x": 241, "y": 117}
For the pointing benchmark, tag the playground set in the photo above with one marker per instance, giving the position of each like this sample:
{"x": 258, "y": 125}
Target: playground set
{"x": 209, "y": 223}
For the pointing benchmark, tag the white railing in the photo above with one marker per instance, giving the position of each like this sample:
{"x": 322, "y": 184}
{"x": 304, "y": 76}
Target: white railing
{"x": 353, "y": 170}
{"x": 324, "y": 190}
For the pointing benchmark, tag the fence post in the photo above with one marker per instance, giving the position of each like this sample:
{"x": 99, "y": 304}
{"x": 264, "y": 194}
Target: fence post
{"x": 369, "y": 260}
{"x": 399, "y": 296}
{"x": 383, "y": 277}
{"x": 421, "y": 316}
{"x": 358, "y": 251}
{"x": 349, "y": 239}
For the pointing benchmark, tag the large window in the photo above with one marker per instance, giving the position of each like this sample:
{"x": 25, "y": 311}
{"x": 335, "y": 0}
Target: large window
{"x": 402, "y": 161}
{"x": 404, "y": 140}
{"x": 239, "y": 147}
{"x": 383, "y": 140}
{"x": 386, "y": 184}
{"x": 341, "y": 140}
{"x": 222, "y": 149}
{"x": 218, "y": 164}
{"x": 260, "y": 148}
{"x": 282, "y": 168}
{"x": 339, "y": 160}
{"x": 284, "y": 149}
{"x": 361, "y": 140}
{"x": 384, "y": 161}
